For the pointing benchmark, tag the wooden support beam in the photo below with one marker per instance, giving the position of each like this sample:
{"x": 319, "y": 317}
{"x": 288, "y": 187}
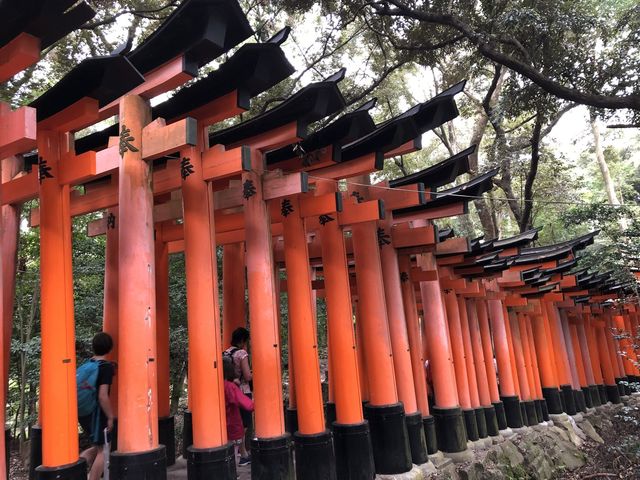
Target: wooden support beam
{"x": 353, "y": 168}
{"x": 75, "y": 117}
{"x": 413, "y": 237}
{"x": 23, "y": 187}
{"x": 218, "y": 163}
{"x": 435, "y": 212}
{"x": 405, "y": 196}
{"x": 278, "y": 185}
{"x": 453, "y": 245}
{"x": 20, "y": 53}
{"x": 17, "y": 130}
{"x": 515, "y": 301}
{"x": 419, "y": 275}
{"x": 160, "y": 139}
{"x": 353, "y": 213}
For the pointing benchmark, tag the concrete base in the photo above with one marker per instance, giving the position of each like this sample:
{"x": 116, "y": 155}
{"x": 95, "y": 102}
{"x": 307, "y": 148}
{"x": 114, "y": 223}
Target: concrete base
{"x": 439, "y": 460}
{"x": 507, "y": 433}
{"x": 578, "y": 416}
{"x": 497, "y": 439}
{"x": 460, "y": 457}
{"x": 414, "y": 474}
{"x": 427, "y": 469}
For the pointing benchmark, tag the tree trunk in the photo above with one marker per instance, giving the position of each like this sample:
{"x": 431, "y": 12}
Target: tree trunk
{"x": 525, "y": 222}
{"x": 602, "y": 163}
{"x": 177, "y": 388}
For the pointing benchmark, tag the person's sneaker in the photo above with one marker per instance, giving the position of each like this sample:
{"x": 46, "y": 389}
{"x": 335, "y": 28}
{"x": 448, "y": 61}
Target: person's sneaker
{"x": 244, "y": 461}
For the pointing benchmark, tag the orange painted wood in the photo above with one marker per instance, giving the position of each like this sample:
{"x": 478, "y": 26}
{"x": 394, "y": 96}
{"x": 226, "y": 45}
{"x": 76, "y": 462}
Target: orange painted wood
{"x": 559, "y": 346}
{"x": 468, "y": 352}
{"x": 176, "y": 246}
{"x": 77, "y": 169}
{"x": 265, "y": 348}
{"x": 496, "y": 314}
{"x": 362, "y": 364}
{"x": 413, "y": 237}
{"x": 373, "y": 315}
{"x": 233, "y": 290}
{"x": 20, "y": 53}
{"x": 111, "y": 298}
{"x": 453, "y": 245}
{"x": 512, "y": 355}
{"x": 308, "y": 162}
{"x": 21, "y": 188}
{"x": 340, "y": 328}
{"x": 219, "y": 109}
{"x": 519, "y": 352}
{"x": 578, "y": 355}
{"x": 273, "y": 139}
{"x": 457, "y": 348}
{"x": 405, "y": 196}
{"x": 356, "y": 213}
{"x": 436, "y": 212}
{"x": 545, "y": 357}
{"x": 17, "y": 130}
{"x": 137, "y": 365}
{"x": 594, "y": 352}
{"x": 75, "y": 117}
{"x": 218, "y": 163}
{"x": 314, "y": 205}
{"x": 450, "y": 259}
{"x": 58, "y": 402}
{"x": 453, "y": 283}
{"x": 536, "y": 385}
{"x": 605, "y": 357}
{"x": 478, "y": 354}
{"x": 419, "y": 275}
{"x": 203, "y": 312}
{"x": 162, "y": 324}
{"x": 515, "y": 301}
{"x": 360, "y": 166}
{"x": 414, "y": 335}
{"x": 302, "y": 322}
{"x": 277, "y": 185}
{"x": 159, "y": 139}
{"x": 487, "y": 350}
{"x": 397, "y": 325}
{"x": 404, "y": 149}
{"x": 573, "y": 369}
{"x": 584, "y": 351}
{"x": 159, "y": 80}
{"x": 436, "y": 336}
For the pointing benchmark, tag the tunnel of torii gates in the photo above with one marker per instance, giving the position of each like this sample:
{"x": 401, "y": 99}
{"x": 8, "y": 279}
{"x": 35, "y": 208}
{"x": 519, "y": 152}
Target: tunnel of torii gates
{"x": 513, "y": 333}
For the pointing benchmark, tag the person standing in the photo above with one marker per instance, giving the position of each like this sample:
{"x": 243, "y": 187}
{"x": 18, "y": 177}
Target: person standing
{"x": 243, "y": 378}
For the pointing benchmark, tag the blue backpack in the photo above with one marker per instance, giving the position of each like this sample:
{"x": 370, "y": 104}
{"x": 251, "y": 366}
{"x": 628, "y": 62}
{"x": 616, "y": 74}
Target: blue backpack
{"x": 86, "y": 381}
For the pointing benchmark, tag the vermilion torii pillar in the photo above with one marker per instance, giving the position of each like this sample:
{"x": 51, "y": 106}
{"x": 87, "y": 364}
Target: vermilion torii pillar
{"x": 391, "y": 450}
{"x": 508, "y": 393}
{"x": 138, "y": 447}
{"x": 546, "y": 365}
{"x": 352, "y": 441}
{"x": 561, "y": 356}
{"x": 594, "y": 354}
{"x": 575, "y": 379}
{"x": 211, "y": 454}
{"x": 450, "y": 427}
{"x": 592, "y": 387}
{"x": 233, "y": 290}
{"x": 58, "y": 403}
{"x": 312, "y": 440}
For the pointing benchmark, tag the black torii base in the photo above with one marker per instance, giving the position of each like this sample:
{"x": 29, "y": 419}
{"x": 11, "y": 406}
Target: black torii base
{"x": 613, "y": 394}
{"x": 532, "y": 414}
{"x": 147, "y": 465}
{"x": 315, "y": 457}
{"x": 602, "y": 391}
{"x": 74, "y": 471}
{"x": 539, "y": 411}
{"x": 501, "y": 416}
{"x": 470, "y": 424}
{"x": 491, "y": 420}
{"x": 167, "y": 437}
{"x": 218, "y": 463}
{"x": 417, "y": 440}
{"x": 581, "y": 404}
{"x": 450, "y": 429}
{"x": 389, "y": 438}
{"x": 354, "y": 452}
{"x": 429, "y": 424}
{"x": 481, "y": 421}
{"x": 512, "y": 411}
{"x": 586, "y": 393}
{"x": 35, "y": 450}
{"x": 554, "y": 400}
{"x": 271, "y": 458}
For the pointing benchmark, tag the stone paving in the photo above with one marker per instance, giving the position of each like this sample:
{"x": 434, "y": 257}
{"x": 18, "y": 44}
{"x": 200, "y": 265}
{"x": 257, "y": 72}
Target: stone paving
{"x": 178, "y": 471}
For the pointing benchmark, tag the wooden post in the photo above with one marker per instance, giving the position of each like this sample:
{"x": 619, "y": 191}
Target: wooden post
{"x": 594, "y": 354}
{"x": 400, "y": 346}
{"x": 138, "y": 448}
{"x": 582, "y": 377}
{"x": 352, "y": 439}
{"x": 166, "y": 425}
{"x": 508, "y": 393}
{"x": 517, "y": 343}
{"x": 391, "y": 449}
{"x": 561, "y": 356}
{"x": 544, "y": 355}
{"x": 58, "y": 401}
{"x": 541, "y": 404}
{"x": 613, "y": 395}
{"x": 449, "y": 419}
{"x": 575, "y": 380}
{"x": 233, "y": 290}
{"x": 313, "y": 447}
{"x": 270, "y": 448}
{"x": 586, "y": 362}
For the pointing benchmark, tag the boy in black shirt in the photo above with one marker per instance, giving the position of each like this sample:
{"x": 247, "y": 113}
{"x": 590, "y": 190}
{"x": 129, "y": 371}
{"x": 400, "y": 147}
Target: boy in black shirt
{"x": 102, "y": 345}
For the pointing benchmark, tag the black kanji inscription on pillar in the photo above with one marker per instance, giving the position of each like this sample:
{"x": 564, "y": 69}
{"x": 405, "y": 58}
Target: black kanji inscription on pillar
{"x": 286, "y": 208}
{"x": 111, "y": 221}
{"x": 404, "y": 276}
{"x": 125, "y": 141}
{"x": 44, "y": 171}
{"x": 383, "y": 238}
{"x": 324, "y": 219}
{"x": 186, "y": 167}
{"x": 359, "y": 198}
{"x": 248, "y": 189}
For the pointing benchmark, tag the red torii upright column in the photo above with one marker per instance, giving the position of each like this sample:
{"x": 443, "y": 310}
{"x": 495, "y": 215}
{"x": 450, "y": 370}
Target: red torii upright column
{"x": 391, "y": 450}
{"x": 58, "y": 402}
{"x": 561, "y": 356}
{"x": 546, "y": 365}
{"x": 508, "y": 393}
{"x": 575, "y": 379}
{"x": 592, "y": 387}
{"x": 313, "y": 443}
{"x": 352, "y": 440}
{"x": 139, "y": 452}
{"x": 233, "y": 286}
{"x": 450, "y": 428}
{"x": 211, "y": 454}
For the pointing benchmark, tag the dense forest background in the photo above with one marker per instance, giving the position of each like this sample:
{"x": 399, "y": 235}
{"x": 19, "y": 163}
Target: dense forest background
{"x": 545, "y": 81}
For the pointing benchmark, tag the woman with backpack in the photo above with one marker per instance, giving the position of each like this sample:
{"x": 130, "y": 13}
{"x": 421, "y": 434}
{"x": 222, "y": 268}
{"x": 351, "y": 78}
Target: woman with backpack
{"x": 95, "y": 412}
{"x": 239, "y": 357}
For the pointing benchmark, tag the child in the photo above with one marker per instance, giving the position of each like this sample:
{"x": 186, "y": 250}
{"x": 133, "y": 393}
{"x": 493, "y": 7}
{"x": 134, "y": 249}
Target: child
{"x": 234, "y": 401}
{"x": 102, "y": 345}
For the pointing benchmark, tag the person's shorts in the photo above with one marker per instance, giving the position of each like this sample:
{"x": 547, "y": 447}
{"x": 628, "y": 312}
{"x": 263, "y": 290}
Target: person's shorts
{"x": 247, "y": 417}
{"x": 87, "y": 427}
